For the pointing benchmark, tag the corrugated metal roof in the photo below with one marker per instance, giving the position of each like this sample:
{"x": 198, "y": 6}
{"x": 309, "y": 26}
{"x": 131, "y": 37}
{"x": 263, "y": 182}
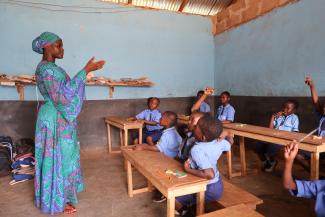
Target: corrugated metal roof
{"x": 200, "y": 7}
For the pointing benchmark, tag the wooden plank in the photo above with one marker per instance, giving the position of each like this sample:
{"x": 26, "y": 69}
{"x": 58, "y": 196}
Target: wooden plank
{"x": 122, "y": 122}
{"x": 314, "y": 166}
{"x": 171, "y": 207}
{"x": 141, "y": 190}
{"x": 229, "y": 159}
{"x": 240, "y": 210}
{"x": 109, "y": 141}
{"x": 129, "y": 179}
{"x": 234, "y": 195}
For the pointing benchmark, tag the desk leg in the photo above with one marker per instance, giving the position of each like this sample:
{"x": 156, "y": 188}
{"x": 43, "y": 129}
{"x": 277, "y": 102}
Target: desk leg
{"x": 140, "y": 135}
{"x": 126, "y": 137}
{"x": 200, "y": 203}
{"x": 150, "y": 186}
{"x": 314, "y": 166}
{"x": 171, "y": 207}
{"x": 129, "y": 178}
{"x": 109, "y": 142}
{"x": 121, "y": 137}
{"x": 242, "y": 155}
{"x": 229, "y": 159}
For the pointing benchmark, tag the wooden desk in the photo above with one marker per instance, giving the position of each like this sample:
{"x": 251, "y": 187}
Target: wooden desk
{"x": 234, "y": 211}
{"x": 153, "y": 165}
{"x": 315, "y": 146}
{"x": 124, "y": 126}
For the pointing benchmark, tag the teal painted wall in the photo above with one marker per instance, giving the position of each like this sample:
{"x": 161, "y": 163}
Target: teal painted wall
{"x": 175, "y": 51}
{"x": 271, "y": 55}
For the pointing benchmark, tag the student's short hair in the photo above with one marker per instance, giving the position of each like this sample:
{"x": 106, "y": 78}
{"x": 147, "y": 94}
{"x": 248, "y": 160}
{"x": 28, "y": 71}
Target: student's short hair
{"x": 153, "y": 98}
{"x": 226, "y": 93}
{"x": 210, "y": 127}
{"x": 291, "y": 101}
{"x": 172, "y": 117}
{"x": 200, "y": 92}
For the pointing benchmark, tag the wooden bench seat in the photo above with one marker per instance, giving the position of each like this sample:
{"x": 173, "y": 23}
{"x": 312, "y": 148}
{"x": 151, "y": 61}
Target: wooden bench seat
{"x": 240, "y": 210}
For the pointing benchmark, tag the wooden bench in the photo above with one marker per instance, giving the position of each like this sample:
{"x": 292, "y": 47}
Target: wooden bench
{"x": 153, "y": 165}
{"x": 240, "y": 210}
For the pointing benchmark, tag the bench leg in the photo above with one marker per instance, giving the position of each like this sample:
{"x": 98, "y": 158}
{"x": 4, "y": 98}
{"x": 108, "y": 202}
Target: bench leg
{"x": 314, "y": 166}
{"x": 121, "y": 137}
{"x": 242, "y": 155}
{"x": 200, "y": 203}
{"x": 109, "y": 142}
{"x": 171, "y": 207}
{"x": 150, "y": 186}
{"x": 129, "y": 178}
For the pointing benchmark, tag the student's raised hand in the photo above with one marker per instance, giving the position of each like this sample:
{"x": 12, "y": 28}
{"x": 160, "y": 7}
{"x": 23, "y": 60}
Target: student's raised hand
{"x": 209, "y": 91}
{"x": 93, "y": 65}
{"x": 309, "y": 81}
{"x": 290, "y": 151}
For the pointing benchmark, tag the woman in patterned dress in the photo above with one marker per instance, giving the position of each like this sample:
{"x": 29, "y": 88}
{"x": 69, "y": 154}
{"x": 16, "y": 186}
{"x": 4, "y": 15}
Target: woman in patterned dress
{"x": 57, "y": 172}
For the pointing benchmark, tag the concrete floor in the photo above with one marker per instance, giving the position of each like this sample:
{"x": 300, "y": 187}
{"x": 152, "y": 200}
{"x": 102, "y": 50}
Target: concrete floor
{"x": 106, "y": 193}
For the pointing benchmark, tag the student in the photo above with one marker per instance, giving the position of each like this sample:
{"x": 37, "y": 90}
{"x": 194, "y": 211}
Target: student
{"x": 301, "y": 188}
{"x": 168, "y": 143}
{"x": 200, "y": 104}
{"x": 225, "y": 112}
{"x": 203, "y": 161}
{"x": 285, "y": 120}
{"x": 151, "y": 117}
{"x": 189, "y": 141}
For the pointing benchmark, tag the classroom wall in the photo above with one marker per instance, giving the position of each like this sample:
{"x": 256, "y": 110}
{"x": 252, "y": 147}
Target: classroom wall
{"x": 171, "y": 49}
{"x": 271, "y": 55}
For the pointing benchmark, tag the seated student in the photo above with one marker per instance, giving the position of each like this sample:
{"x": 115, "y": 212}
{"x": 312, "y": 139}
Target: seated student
{"x": 151, "y": 117}
{"x": 203, "y": 161}
{"x": 189, "y": 141}
{"x": 225, "y": 112}
{"x": 168, "y": 143}
{"x": 301, "y": 188}
{"x": 285, "y": 120}
{"x": 200, "y": 104}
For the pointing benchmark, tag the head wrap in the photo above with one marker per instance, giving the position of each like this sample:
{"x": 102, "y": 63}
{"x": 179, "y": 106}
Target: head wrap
{"x": 44, "y": 40}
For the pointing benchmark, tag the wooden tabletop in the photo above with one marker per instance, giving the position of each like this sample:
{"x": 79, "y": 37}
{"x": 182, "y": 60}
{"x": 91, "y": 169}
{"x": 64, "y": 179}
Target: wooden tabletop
{"x": 234, "y": 211}
{"x": 123, "y": 121}
{"x": 155, "y": 164}
{"x": 274, "y": 133}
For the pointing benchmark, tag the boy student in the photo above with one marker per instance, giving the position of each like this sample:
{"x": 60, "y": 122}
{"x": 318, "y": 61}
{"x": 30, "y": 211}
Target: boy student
{"x": 300, "y": 188}
{"x": 168, "y": 143}
{"x": 203, "y": 161}
{"x": 189, "y": 141}
{"x": 151, "y": 117}
{"x": 225, "y": 112}
{"x": 285, "y": 120}
{"x": 200, "y": 104}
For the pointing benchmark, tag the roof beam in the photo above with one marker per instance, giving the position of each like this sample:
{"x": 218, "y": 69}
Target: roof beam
{"x": 184, "y": 3}
{"x": 130, "y": 2}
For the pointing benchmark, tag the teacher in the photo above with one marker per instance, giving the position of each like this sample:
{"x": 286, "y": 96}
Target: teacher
{"x": 57, "y": 172}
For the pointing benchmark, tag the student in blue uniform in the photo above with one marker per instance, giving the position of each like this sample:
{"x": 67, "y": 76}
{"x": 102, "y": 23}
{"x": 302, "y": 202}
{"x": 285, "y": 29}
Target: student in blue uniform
{"x": 200, "y": 104}
{"x": 225, "y": 112}
{"x": 151, "y": 117}
{"x": 301, "y": 188}
{"x": 168, "y": 143}
{"x": 285, "y": 120}
{"x": 203, "y": 161}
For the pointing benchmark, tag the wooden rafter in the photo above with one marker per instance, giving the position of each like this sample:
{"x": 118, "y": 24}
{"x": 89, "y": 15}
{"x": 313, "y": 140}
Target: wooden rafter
{"x": 130, "y": 2}
{"x": 184, "y": 3}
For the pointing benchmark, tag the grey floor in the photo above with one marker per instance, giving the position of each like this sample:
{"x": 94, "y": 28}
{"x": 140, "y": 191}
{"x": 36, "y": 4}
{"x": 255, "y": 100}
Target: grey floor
{"x": 106, "y": 194}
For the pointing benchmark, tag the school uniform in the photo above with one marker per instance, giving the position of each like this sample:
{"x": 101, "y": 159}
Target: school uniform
{"x": 169, "y": 142}
{"x": 312, "y": 189}
{"x": 204, "y": 107}
{"x": 226, "y": 113}
{"x": 288, "y": 123}
{"x": 205, "y": 155}
{"x": 186, "y": 146}
{"x": 321, "y": 126}
{"x": 154, "y": 131}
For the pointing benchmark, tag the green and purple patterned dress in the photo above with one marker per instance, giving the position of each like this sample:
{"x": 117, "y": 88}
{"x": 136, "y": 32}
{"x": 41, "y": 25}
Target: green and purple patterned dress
{"x": 58, "y": 177}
